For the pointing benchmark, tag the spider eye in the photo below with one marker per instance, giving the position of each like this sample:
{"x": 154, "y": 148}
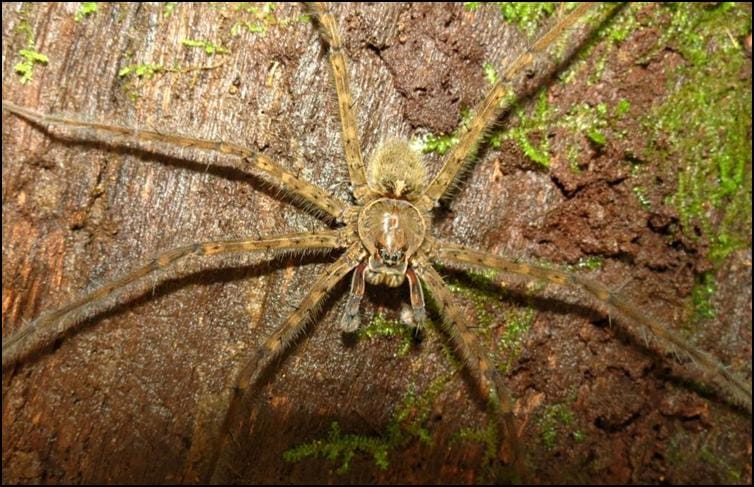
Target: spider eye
{"x": 391, "y": 258}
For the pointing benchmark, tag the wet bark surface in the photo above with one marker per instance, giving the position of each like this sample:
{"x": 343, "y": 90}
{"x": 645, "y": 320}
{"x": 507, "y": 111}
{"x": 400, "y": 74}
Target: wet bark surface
{"x": 119, "y": 399}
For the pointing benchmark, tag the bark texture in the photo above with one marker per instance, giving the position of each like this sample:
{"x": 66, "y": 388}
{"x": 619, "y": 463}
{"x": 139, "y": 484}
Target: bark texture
{"x": 119, "y": 400}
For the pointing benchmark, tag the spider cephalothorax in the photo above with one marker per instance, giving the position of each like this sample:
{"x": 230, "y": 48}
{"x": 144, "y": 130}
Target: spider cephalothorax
{"x": 392, "y": 232}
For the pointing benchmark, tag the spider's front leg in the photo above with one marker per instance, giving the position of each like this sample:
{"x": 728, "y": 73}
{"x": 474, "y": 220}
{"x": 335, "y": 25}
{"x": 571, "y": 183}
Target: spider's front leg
{"x": 643, "y": 324}
{"x": 489, "y": 380}
{"x": 51, "y": 326}
{"x": 212, "y": 448}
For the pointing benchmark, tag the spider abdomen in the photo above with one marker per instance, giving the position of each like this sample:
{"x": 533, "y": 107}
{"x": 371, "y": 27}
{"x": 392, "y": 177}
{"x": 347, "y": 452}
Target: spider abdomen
{"x": 396, "y": 170}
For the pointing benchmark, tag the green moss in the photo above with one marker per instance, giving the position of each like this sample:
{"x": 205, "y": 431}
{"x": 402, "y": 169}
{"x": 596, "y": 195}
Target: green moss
{"x": 481, "y": 290}
{"x": 487, "y": 436}
{"x": 701, "y": 296}
{"x": 589, "y": 263}
{"x": 141, "y": 70}
{"x": 596, "y": 137}
{"x": 340, "y": 447}
{"x": 168, "y": 9}
{"x": 557, "y": 419}
{"x": 30, "y": 56}
{"x": 702, "y": 131}
{"x": 622, "y": 108}
{"x": 502, "y": 326}
{"x": 85, "y": 10}
{"x": 530, "y": 128}
{"x": 258, "y": 19}
{"x": 209, "y": 47}
{"x": 517, "y": 323}
{"x": 641, "y": 195}
{"x": 439, "y": 144}
{"x": 380, "y": 327}
{"x": 26, "y": 67}
{"x": 703, "y": 128}
{"x": 490, "y": 73}
{"x": 686, "y": 449}
{"x": 408, "y": 423}
{"x": 527, "y": 16}
{"x": 530, "y": 131}
{"x": 442, "y": 143}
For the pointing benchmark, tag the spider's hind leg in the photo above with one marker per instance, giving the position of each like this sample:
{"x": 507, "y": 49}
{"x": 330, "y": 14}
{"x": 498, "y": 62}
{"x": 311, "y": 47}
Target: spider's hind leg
{"x": 498, "y": 99}
{"x": 328, "y": 29}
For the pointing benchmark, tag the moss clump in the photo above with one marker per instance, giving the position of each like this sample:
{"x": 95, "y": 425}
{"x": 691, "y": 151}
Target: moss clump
{"x": 480, "y": 288}
{"x": 590, "y": 263}
{"x": 701, "y": 296}
{"x": 340, "y": 447}
{"x": 555, "y": 420}
{"x": 704, "y": 126}
{"x": 26, "y": 67}
{"x": 85, "y": 10}
{"x": 442, "y": 143}
{"x": 530, "y": 131}
{"x": 168, "y": 9}
{"x": 381, "y": 326}
{"x": 407, "y": 423}
{"x": 686, "y": 451}
{"x": 527, "y": 16}
{"x": 258, "y": 19}
{"x": 487, "y": 436}
{"x": 517, "y": 324}
{"x": 30, "y": 56}
{"x": 141, "y": 70}
{"x": 531, "y": 126}
{"x": 702, "y": 131}
{"x": 209, "y": 48}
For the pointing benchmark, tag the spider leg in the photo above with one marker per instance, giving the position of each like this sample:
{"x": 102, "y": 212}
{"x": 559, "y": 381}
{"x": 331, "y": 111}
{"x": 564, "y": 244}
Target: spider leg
{"x": 328, "y": 29}
{"x": 634, "y": 317}
{"x": 208, "y": 454}
{"x": 50, "y": 326}
{"x": 312, "y": 195}
{"x": 499, "y": 99}
{"x": 489, "y": 380}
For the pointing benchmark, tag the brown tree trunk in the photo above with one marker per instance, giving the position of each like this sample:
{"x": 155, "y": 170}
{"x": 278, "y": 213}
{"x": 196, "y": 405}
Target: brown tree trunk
{"x": 120, "y": 400}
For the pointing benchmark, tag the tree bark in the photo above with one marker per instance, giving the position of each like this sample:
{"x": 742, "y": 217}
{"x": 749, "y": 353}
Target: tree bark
{"x": 120, "y": 400}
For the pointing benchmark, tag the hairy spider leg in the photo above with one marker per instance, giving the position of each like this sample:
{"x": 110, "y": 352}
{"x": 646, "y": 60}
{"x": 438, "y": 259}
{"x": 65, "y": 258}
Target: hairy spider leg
{"x": 328, "y": 29}
{"x": 489, "y": 380}
{"x": 314, "y": 197}
{"x": 498, "y": 99}
{"x": 50, "y": 326}
{"x": 734, "y": 387}
{"x": 206, "y": 460}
